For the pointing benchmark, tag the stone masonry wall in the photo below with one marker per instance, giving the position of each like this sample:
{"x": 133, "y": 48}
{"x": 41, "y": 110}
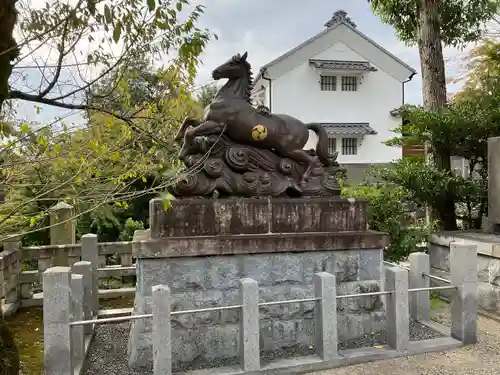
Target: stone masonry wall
{"x": 201, "y": 282}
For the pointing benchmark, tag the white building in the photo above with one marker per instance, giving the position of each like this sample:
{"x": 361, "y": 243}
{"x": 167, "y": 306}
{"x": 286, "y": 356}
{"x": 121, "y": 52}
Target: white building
{"x": 344, "y": 80}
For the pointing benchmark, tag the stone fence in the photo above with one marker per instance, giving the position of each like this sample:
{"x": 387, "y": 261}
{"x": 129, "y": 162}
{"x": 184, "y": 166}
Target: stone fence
{"x": 9, "y": 277}
{"x": 71, "y": 305}
{"x": 21, "y": 287}
{"x": 488, "y": 264}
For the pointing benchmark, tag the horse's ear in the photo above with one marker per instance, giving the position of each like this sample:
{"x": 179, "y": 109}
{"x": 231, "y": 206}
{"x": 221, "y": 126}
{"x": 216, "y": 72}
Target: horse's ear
{"x": 244, "y": 57}
{"x": 237, "y": 57}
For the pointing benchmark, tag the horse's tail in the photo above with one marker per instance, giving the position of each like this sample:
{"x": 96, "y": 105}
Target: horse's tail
{"x": 322, "y": 146}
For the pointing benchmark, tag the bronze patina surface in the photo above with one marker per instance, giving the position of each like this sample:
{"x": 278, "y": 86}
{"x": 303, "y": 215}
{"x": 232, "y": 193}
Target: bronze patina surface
{"x": 240, "y": 150}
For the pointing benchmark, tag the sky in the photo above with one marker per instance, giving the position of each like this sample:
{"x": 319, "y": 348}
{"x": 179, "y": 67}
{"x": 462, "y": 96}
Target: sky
{"x": 266, "y": 29}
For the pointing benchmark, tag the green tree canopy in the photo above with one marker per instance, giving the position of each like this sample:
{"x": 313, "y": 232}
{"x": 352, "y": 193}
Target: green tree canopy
{"x": 460, "y": 21}
{"x": 429, "y": 24}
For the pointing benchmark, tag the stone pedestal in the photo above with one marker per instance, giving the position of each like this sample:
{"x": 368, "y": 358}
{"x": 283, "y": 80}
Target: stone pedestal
{"x": 200, "y": 248}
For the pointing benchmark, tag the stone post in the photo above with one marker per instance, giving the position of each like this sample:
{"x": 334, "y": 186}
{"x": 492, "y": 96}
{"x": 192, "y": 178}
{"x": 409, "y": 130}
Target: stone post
{"x": 420, "y": 304}
{"x": 64, "y": 233}
{"x": 77, "y": 332}
{"x": 85, "y": 269}
{"x": 57, "y": 312}
{"x": 90, "y": 253}
{"x": 493, "y": 184}
{"x": 463, "y": 269}
{"x": 249, "y": 325}
{"x": 398, "y": 320}
{"x": 126, "y": 260}
{"x": 14, "y": 248}
{"x": 162, "y": 330}
{"x": 326, "y": 315}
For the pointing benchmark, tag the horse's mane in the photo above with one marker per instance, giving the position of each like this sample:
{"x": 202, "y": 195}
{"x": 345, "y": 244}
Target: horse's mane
{"x": 248, "y": 91}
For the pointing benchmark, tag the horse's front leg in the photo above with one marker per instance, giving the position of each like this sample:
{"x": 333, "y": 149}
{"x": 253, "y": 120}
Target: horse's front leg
{"x": 205, "y": 129}
{"x": 188, "y": 121}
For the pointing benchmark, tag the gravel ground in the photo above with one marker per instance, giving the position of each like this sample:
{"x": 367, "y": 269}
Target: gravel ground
{"x": 480, "y": 359}
{"x": 108, "y": 353}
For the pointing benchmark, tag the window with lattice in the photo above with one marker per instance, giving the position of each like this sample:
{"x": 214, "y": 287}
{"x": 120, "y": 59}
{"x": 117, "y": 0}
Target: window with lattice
{"x": 349, "y": 83}
{"x": 349, "y": 146}
{"x": 332, "y": 145}
{"x": 328, "y": 83}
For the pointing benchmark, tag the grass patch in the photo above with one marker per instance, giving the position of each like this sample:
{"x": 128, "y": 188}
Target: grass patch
{"x": 436, "y": 302}
{"x": 27, "y": 327}
{"x": 117, "y": 303}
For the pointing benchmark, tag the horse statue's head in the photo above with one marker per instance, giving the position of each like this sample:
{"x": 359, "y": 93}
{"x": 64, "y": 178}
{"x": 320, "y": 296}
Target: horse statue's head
{"x": 236, "y": 67}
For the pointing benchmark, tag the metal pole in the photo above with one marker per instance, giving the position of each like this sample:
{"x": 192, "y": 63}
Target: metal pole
{"x": 396, "y": 265}
{"x": 111, "y": 320}
{"x": 365, "y": 294}
{"x": 436, "y": 278}
{"x": 290, "y": 301}
{"x": 206, "y": 310}
{"x": 433, "y": 288}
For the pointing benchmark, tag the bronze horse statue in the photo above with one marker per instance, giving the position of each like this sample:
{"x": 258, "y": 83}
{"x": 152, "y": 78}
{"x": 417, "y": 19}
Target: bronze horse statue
{"x": 232, "y": 112}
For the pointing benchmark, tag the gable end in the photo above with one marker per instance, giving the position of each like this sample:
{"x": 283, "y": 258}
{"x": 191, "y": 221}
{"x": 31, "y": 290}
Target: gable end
{"x": 339, "y": 29}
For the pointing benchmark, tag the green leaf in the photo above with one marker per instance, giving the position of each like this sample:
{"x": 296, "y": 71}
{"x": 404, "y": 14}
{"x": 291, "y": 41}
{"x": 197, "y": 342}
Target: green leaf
{"x": 107, "y": 14}
{"x": 90, "y": 6}
{"x": 117, "y": 31}
{"x": 167, "y": 201}
{"x": 151, "y": 5}
{"x": 25, "y": 128}
{"x": 179, "y": 6}
{"x": 144, "y": 179}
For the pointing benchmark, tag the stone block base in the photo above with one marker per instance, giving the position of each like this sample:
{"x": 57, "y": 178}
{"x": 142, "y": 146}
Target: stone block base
{"x": 198, "y": 282}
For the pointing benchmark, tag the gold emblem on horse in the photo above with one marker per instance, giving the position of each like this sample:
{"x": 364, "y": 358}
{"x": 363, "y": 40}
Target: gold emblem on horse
{"x": 259, "y": 132}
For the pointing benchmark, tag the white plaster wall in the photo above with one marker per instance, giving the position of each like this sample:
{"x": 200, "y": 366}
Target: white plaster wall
{"x": 298, "y": 94}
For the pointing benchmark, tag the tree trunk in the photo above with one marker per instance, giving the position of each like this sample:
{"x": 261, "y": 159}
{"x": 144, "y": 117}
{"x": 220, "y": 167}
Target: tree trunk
{"x": 434, "y": 92}
{"x": 8, "y": 46}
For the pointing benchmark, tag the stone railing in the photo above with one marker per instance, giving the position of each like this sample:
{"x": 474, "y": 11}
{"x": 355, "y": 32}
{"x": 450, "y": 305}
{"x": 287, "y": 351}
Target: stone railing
{"x": 71, "y": 308}
{"x": 9, "y": 277}
{"x": 488, "y": 264}
{"x": 21, "y": 287}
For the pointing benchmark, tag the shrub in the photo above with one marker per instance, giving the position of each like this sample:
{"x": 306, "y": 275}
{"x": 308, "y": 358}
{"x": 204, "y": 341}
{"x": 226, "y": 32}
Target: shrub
{"x": 129, "y": 228}
{"x": 390, "y": 210}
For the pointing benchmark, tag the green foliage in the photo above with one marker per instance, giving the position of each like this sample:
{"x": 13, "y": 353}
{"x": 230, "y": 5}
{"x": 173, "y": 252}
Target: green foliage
{"x": 129, "y": 228}
{"x": 207, "y": 94}
{"x": 392, "y": 210}
{"x": 461, "y": 21}
{"x": 427, "y": 185}
{"x": 107, "y": 170}
{"x": 462, "y": 129}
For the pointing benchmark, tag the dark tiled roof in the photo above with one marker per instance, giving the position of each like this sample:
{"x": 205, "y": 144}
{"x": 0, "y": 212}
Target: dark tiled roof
{"x": 342, "y": 65}
{"x": 359, "y": 128}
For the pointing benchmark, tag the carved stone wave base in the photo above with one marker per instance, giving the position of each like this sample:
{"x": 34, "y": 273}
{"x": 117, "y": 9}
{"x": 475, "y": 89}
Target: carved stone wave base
{"x": 239, "y": 170}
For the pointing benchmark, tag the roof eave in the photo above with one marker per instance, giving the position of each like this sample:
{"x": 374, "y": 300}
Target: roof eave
{"x": 412, "y": 71}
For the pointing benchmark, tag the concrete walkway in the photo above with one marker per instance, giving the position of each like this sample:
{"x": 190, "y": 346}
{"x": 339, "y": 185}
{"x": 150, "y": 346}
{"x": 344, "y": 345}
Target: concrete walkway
{"x": 480, "y": 359}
